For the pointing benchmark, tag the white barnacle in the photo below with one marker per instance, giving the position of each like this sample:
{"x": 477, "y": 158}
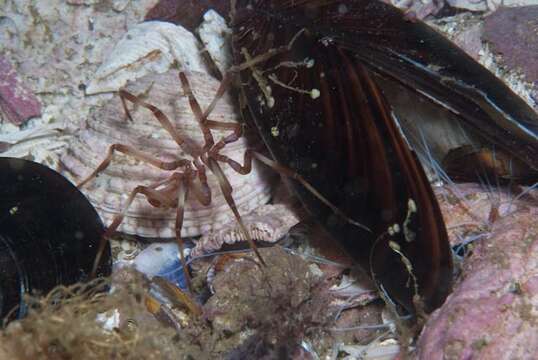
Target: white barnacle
{"x": 393, "y": 229}
{"x": 409, "y": 234}
{"x": 270, "y": 102}
{"x": 394, "y": 246}
{"x": 411, "y": 206}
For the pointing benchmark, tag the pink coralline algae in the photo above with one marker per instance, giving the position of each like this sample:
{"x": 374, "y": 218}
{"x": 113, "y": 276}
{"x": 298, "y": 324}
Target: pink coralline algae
{"x": 17, "y": 103}
{"x": 513, "y": 32}
{"x": 492, "y": 313}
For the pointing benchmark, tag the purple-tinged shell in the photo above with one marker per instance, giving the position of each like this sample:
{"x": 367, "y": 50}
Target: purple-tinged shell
{"x": 17, "y": 101}
{"x": 513, "y": 33}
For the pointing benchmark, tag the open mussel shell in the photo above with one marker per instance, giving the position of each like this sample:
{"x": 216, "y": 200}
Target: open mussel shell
{"x": 49, "y": 234}
{"x": 322, "y": 114}
{"x": 350, "y": 95}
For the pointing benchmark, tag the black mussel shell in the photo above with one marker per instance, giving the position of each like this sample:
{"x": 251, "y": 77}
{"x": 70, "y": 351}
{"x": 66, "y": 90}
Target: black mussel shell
{"x": 322, "y": 114}
{"x": 49, "y": 233}
{"x": 350, "y": 94}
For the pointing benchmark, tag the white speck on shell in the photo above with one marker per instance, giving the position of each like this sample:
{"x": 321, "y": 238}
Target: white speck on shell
{"x": 149, "y": 47}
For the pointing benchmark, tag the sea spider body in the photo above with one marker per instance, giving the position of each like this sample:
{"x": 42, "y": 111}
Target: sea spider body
{"x": 110, "y": 189}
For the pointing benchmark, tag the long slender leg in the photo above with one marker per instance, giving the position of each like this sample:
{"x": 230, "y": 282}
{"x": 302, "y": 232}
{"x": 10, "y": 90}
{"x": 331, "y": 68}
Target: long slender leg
{"x": 223, "y": 87}
{"x": 150, "y": 193}
{"x": 237, "y": 131}
{"x": 247, "y": 168}
{"x": 206, "y": 125}
{"x": 197, "y": 111}
{"x": 163, "y": 120}
{"x": 180, "y": 211}
{"x": 139, "y": 155}
{"x": 228, "y": 76}
{"x": 213, "y": 165}
{"x": 202, "y": 194}
{"x": 226, "y": 190}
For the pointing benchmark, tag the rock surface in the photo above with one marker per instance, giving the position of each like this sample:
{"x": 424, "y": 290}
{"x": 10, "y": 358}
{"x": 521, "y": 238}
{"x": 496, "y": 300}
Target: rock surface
{"x": 513, "y": 33}
{"x": 492, "y": 313}
{"x": 17, "y": 102}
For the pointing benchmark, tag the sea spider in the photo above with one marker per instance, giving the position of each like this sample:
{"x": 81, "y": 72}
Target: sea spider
{"x": 189, "y": 176}
{"x": 189, "y": 173}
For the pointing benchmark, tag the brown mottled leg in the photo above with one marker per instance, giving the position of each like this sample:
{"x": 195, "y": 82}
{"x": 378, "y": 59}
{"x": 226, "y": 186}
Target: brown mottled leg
{"x": 203, "y": 194}
{"x": 214, "y": 167}
{"x": 284, "y": 171}
{"x": 197, "y": 111}
{"x": 227, "y": 190}
{"x": 139, "y": 155}
{"x": 183, "y": 187}
{"x": 163, "y": 120}
{"x": 154, "y": 196}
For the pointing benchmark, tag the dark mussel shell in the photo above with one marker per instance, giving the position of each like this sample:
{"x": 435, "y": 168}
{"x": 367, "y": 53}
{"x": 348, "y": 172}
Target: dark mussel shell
{"x": 347, "y": 143}
{"x": 49, "y": 233}
{"x": 378, "y": 73}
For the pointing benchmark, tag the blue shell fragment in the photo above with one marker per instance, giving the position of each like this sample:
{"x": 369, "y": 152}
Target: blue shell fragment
{"x": 162, "y": 259}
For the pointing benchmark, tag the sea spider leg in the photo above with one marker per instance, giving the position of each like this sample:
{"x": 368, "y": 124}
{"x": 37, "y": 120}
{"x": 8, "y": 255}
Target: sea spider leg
{"x": 204, "y": 194}
{"x": 215, "y": 168}
{"x": 248, "y": 64}
{"x": 197, "y": 111}
{"x": 213, "y": 153}
{"x": 139, "y": 155}
{"x": 156, "y": 196}
{"x": 284, "y": 171}
{"x": 227, "y": 190}
{"x": 180, "y": 212}
{"x": 190, "y": 149}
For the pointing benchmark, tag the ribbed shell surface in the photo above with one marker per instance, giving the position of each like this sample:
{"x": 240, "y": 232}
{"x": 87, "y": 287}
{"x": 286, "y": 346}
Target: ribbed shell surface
{"x": 109, "y": 191}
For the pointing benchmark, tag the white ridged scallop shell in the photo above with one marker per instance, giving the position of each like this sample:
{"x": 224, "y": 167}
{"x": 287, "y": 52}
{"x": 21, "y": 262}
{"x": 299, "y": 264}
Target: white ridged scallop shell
{"x": 109, "y": 191}
{"x": 267, "y": 223}
{"x": 149, "y": 47}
